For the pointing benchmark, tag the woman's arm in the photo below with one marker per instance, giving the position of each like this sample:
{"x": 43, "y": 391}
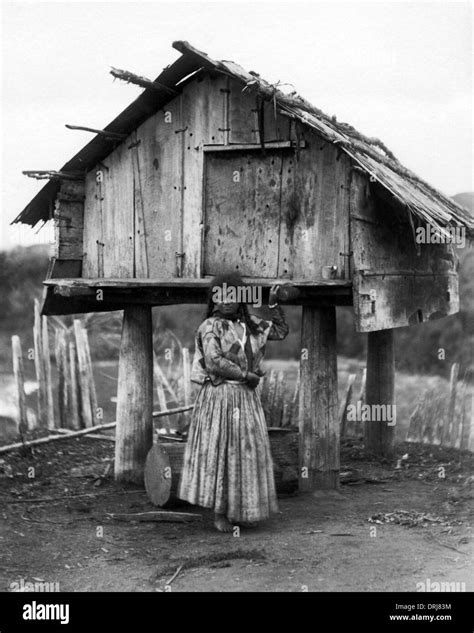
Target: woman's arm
{"x": 279, "y": 329}
{"x": 215, "y": 361}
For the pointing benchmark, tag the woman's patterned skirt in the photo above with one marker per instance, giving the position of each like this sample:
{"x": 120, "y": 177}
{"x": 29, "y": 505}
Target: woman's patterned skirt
{"x": 227, "y": 463}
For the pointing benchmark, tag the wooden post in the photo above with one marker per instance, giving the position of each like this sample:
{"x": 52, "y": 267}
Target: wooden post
{"x": 20, "y": 385}
{"x": 277, "y": 405}
{"x": 39, "y": 367}
{"x": 83, "y": 374}
{"x": 161, "y": 377}
{"x": 160, "y": 391}
{"x": 62, "y": 370}
{"x": 345, "y": 404}
{"x": 452, "y": 423}
{"x": 47, "y": 373}
{"x": 186, "y": 382}
{"x": 380, "y": 385}
{"x": 73, "y": 400}
{"x": 90, "y": 375}
{"x": 295, "y": 401}
{"x": 357, "y": 425}
{"x": 318, "y": 415}
{"x": 134, "y": 435}
{"x": 270, "y": 396}
{"x": 467, "y": 439}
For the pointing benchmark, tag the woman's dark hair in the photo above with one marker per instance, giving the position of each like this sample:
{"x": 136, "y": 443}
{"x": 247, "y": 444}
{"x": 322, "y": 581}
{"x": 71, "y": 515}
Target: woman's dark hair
{"x": 235, "y": 280}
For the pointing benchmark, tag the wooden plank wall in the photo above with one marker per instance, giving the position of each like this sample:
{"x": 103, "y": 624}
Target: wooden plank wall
{"x": 148, "y": 207}
{"x": 396, "y": 283}
{"x": 314, "y": 237}
{"x": 149, "y": 180}
{"x": 69, "y": 220}
{"x": 109, "y": 216}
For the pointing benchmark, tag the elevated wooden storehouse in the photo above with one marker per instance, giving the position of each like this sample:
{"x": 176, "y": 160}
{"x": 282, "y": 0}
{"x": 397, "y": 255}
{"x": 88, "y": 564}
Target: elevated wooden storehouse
{"x": 212, "y": 167}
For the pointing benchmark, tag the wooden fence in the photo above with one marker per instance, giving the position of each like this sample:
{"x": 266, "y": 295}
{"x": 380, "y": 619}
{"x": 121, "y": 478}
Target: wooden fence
{"x": 441, "y": 417}
{"x": 444, "y": 417}
{"x": 77, "y": 405}
{"x": 71, "y": 404}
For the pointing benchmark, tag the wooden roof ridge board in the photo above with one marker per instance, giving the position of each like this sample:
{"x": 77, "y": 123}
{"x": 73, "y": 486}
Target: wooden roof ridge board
{"x": 370, "y": 154}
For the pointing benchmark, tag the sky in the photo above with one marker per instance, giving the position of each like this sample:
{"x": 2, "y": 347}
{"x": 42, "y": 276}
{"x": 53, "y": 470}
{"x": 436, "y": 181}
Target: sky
{"x": 399, "y": 71}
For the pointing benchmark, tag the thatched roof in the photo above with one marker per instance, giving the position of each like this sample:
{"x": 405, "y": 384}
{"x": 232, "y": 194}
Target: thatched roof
{"x": 371, "y": 155}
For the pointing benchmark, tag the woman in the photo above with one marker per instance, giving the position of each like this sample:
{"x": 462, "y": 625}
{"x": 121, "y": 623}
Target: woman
{"x": 227, "y": 463}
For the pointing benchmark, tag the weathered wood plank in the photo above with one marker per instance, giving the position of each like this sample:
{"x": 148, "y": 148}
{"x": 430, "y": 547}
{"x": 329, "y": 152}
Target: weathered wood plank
{"x": 62, "y": 369}
{"x": 242, "y": 118}
{"x": 84, "y": 379}
{"x": 69, "y": 221}
{"x": 115, "y": 250}
{"x": 47, "y": 372}
{"x": 318, "y": 419}
{"x": 314, "y": 213}
{"x": 18, "y": 371}
{"x": 345, "y": 404}
{"x": 242, "y": 213}
{"x": 234, "y": 147}
{"x": 134, "y": 434}
{"x": 380, "y": 386}
{"x": 73, "y": 400}
{"x": 451, "y": 429}
{"x": 396, "y": 300}
{"x": 159, "y": 156}
{"x": 203, "y": 122}
{"x": 59, "y": 268}
{"x": 40, "y": 367}
{"x": 322, "y": 285}
{"x": 396, "y": 282}
{"x": 92, "y": 226}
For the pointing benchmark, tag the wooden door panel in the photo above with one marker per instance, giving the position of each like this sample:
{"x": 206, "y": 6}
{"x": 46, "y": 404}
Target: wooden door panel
{"x": 242, "y": 213}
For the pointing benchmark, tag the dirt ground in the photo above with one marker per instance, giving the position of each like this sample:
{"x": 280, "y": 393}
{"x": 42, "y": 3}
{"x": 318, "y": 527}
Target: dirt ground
{"x": 54, "y": 528}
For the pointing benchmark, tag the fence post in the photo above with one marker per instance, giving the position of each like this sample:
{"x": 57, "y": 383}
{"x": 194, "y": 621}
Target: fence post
{"x": 47, "y": 373}
{"x": 345, "y": 404}
{"x": 186, "y": 380}
{"x": 20, "y": 384}
{"x": 73, "y": 399}
{"x": 84, "y": 381}
{"x": 90, "y": 375}
{"x": 61, "y": 367}
{"x": 39, "y": 367}
{"x": 159, "y": 389}
{"x": 448, "y": 430}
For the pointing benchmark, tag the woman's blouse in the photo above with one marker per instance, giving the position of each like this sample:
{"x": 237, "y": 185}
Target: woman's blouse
{"x": 219, "y": 354}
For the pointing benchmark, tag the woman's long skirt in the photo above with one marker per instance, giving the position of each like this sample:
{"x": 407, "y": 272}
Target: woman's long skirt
{"x": 227, "y": 462}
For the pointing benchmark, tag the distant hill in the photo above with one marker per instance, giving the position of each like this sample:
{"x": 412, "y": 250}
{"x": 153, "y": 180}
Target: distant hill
{"x": 466, "y": 200}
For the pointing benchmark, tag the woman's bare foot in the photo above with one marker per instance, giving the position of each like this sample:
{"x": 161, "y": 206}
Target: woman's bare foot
{"x": 222, "y": 523}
